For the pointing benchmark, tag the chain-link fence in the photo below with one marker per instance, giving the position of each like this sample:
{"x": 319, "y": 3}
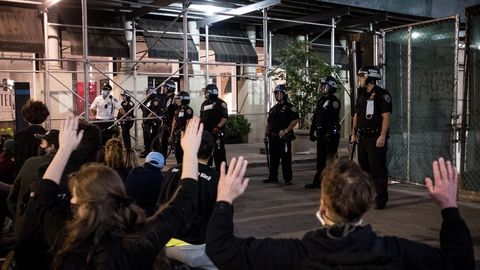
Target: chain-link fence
{"x": 470, "y": 174}
{"x": 420, "y": 75}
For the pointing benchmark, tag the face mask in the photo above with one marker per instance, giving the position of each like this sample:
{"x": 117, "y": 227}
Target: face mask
{"x": 104, "y": 93}
{"x": 320, "y": 218}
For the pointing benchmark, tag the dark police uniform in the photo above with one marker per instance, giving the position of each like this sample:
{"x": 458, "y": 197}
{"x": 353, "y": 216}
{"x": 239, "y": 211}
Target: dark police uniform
{"x": 151, "y": 127}
{"x": 127, "y": 105}
{"x": 279, "y": 117}
{"x": 371, "y": 158}
{"x": 326, "y": 125}
{"x": 171, "y": 109}
{"x": 182, "y": 115}
{"x": 211, "y": 112}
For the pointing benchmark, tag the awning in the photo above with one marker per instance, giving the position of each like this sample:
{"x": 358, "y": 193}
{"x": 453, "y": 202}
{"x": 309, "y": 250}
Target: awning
{"x": 174, "y": 47}
{"x": 100, "y": 42}
{"x": 20, "y": 30}
{"x": 232, "y": 50}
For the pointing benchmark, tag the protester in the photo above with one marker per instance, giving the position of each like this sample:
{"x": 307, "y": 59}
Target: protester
{"x": 115, "y": 157}
{"x": 107, "y": 231}
{"x": 342, "y": 242}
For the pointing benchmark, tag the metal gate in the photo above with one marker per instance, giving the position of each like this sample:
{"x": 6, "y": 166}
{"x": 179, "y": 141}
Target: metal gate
{"x": 421, "y": 66}
{"x": 470, "y": 169}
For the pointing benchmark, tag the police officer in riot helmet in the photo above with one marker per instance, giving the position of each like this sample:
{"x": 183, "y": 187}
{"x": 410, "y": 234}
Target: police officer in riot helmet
{"x": 214, "y": 116}
{"x": 102, "y": 110}
{"x": 183, "y": 113}
{"x": 325, "y": 127}
{"x": 282, "y": 117}
{"x": 370, "y": 129}
{"x": 153, "y": 107}
{"x": 168, "y": 93}
{"x": 127, "y": 122}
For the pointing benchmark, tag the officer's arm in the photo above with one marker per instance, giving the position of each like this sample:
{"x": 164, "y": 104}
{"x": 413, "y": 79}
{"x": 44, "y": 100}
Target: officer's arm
{"x": 354, "y": 124}
{"x": 385, "y": 124}
{"x": 222, "y": 122}
{"x": 291, "y": 126}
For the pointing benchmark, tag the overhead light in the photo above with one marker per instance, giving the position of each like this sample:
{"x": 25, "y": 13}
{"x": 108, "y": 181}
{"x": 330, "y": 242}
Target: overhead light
{"x": 206, "y": 9}
{"x": 416, "y": 35}
{"x": 49, "y": 3}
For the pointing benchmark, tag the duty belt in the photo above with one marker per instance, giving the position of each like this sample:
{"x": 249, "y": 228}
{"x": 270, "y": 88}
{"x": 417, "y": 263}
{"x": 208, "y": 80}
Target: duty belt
{"x": 369, "y": 131}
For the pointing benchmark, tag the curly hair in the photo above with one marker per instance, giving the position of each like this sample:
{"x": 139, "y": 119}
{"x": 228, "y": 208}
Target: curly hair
{"x": 347, "y": 190}
{"x": 100, "y": 190}
{"x": 114, "y": 157}
{"x": 35, "y": 112}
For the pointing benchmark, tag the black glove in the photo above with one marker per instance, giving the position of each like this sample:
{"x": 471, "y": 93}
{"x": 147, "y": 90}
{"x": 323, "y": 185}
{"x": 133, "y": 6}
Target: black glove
{"x": 312, "y": 137}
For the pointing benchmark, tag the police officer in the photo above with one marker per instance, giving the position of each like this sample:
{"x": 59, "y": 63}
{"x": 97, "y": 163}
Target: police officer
{"x": 102, "y": 109}
{"x": 214, "y": 116}
{"x": 156, "y": 107}
{"x": 325, "y": 127}
{"x": 282, "y": 117}
{"x": 182, "y": 115}
{"x": 370, "y": 129}
{"x": 127, "y": 122}
{"x": 168, "y": 91}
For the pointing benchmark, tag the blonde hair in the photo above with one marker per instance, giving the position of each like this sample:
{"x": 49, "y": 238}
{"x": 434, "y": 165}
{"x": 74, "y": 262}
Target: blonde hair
{"x": 114, "y": 156}
{"x": 100, "y": 190}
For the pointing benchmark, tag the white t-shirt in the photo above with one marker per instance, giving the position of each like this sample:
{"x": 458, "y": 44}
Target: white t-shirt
{"x": 105, "y": 107}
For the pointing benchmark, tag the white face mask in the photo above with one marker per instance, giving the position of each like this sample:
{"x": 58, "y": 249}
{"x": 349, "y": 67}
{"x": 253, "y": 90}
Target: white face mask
{"x": 104, "y": 93}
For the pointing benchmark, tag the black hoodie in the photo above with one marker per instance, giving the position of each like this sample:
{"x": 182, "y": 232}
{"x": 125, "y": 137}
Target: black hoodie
{"x": 332, "y": 248}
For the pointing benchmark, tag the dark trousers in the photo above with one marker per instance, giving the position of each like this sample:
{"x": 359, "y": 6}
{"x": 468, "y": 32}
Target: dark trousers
{"x": 326, "y": 151}
{"x": 219, "y": 153}
{"x": 163, "y": 147}
{"x": 373, "y": 160}
{"x": 127, "y": 141}
{"x": 178, "y": 152}
{"x": 105, "y": 133}
{"x": 147, "y": 139}
{"x": 280, "y": 150}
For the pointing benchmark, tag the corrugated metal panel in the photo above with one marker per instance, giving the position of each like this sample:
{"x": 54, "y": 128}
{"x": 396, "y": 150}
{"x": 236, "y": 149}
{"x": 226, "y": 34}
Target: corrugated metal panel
{"x": 174, "y": 50}
{"x": 232, "y": 50}
{"x": 20, "y": 30}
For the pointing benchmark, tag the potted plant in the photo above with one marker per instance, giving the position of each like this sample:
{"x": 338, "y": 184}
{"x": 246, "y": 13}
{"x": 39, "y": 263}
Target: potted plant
{"x": 237, "y": 129}
{"x": 302, "y": 69}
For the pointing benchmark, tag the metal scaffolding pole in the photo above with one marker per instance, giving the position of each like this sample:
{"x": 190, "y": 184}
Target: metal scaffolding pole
{"x": 332, "y": 45}
{"x": 207, "y": 67}
{"x": 185, "y": 45}
{"x": 46, "y": 81}
{"x": 135, "y": 73}
{"x": 85, "y": 58}
{"x": 266, "y": 60}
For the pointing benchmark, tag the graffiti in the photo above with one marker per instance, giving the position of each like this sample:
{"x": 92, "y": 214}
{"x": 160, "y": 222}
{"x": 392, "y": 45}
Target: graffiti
{"x": 433, "y": 84}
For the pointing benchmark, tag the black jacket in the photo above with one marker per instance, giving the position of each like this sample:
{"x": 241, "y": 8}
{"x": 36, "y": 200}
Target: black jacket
{"x": 26, "y": 145}
{"x": 115, "y": 252}
{"x": 207, "y": 195}
{"x": 360, "y": 249}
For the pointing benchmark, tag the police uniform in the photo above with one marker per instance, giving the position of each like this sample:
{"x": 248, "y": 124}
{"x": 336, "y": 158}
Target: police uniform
{"x": 105, "y": 107}
{"x": 182, "y": 115}
{"x": 151, "y": 127}
{"x": 171, "y": 109}
{"x": 127, "y": 105}
{"x": 326, "y": 129}
{"x": 371, "y": 158}
{"x": 211, "y": 112}
{"x": 279, "y": 118}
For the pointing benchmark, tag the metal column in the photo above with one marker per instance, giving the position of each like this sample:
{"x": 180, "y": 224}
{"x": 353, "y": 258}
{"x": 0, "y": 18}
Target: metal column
{"x": 185, "y": 47}
{"x": 46, "y": 82}
{"x": 409, "y": 96}
{"x": 332, "y": 45}
{"x": 85, "y": 58}
{"x": 207, "y": 66}
{"x": 266, "y": 59}
{"x": 134, "y": 71}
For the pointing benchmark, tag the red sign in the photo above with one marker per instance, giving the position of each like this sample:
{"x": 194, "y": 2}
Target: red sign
{"x": 92, "y": 93}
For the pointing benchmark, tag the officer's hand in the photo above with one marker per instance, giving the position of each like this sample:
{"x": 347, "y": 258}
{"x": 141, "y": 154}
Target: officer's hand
{"x": 312, "y": 137}
{"x": 381, "y": 141}
{"x": 281, "y": 133}
{"x": 265, "y": 140}
{"x": 353, "y": 138}
{"x": 216, "y": 130}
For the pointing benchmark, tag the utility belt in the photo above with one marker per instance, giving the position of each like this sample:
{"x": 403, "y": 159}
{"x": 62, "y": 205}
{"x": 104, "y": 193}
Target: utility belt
{"x": 369, "y": 132}
{"x": 324, "y": 131}
{"x": 289, "y": 136}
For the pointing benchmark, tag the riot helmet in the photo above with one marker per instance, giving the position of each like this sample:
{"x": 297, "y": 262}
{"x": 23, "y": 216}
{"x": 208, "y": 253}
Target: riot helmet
{"x": 170, "y": 87}
{"x": 281, "y": 88}
{"x": 328, "y": 85}
{"x": 211, "y": 91}
{"x": 126, "y": 95}
{"x": 184, "y": 96}
{"x": 151, "y": 90}
{"x": 371, "y": 74}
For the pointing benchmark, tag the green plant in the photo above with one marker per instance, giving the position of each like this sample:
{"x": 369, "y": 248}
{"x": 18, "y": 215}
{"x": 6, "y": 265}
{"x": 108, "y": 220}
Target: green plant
{"x": 237, "y": 126}
{"x": 302, "y": 69}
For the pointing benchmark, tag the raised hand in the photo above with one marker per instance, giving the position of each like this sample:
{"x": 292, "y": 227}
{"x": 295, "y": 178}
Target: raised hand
{"x": 444, "y": 190}
{"x": 191, "y": 139}
{"x": 69, "y": 137}
{"x": 232, "y": 184}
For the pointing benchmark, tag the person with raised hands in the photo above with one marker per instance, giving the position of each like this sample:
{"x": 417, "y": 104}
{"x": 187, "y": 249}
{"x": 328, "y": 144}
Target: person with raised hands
{"x": 107, "y": 231}
{"x": 341, "y": 242}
